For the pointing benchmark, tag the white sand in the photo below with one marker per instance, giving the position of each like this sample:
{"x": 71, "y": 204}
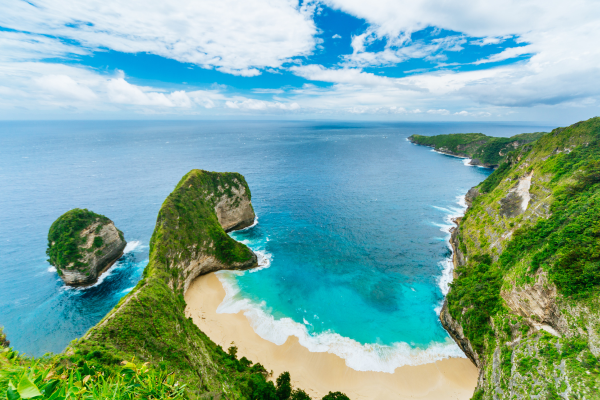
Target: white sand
{"x": 319, "y": 373}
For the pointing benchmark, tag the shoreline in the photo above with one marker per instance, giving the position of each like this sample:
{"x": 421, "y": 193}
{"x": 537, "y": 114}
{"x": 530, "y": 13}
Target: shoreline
{"x": 319, "y": 373}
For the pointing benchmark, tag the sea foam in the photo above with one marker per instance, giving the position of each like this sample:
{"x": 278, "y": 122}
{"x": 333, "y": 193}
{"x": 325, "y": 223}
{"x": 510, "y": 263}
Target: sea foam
{"x": 447, "y": 264}
{"x": 131, "y": 246}
{"x": 358, "y": 356}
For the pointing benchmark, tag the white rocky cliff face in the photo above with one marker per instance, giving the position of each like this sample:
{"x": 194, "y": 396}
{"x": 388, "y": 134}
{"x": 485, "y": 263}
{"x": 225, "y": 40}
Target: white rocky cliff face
{"x": 235, "y": 212}
{"x": 97, "y": 258}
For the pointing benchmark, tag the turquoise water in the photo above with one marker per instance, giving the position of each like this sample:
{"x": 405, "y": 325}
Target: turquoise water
{"x": 352, "y": 226}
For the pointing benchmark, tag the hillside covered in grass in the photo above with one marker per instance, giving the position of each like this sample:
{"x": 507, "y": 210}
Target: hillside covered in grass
{"x": 483, "y": 150}
{"x": 524, "y": 304}
{"x": 146, "y": 347}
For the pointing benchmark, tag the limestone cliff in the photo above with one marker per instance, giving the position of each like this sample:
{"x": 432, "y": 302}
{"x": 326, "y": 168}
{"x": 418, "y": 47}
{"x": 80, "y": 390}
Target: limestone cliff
{"x": 524, "y": 304}
{"x": 82, "y": 245}
{"x": 189, "y": 240}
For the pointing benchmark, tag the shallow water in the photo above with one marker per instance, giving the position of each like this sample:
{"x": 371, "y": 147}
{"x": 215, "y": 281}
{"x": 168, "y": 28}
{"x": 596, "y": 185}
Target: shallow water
{"x": 352, "y": 227}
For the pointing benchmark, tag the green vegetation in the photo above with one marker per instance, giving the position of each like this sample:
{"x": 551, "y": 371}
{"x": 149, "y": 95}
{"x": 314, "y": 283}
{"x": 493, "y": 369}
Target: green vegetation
{"x": 478, "y": 293}
{"x": 64, "y": 237}
{"x": 482, "y": 149}
{"x": 3, "y": 341}
{"x": 59, "y": 378}
{"x": 146, "y": 347}
{"x": 83, "y": 377}
{"x": 553, "y": 243}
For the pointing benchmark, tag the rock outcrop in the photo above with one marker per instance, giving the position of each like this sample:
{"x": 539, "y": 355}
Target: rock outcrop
{"x": 82, "y": 245}
{"x": 456, "y": 332}
{"x": 235, "y": 212}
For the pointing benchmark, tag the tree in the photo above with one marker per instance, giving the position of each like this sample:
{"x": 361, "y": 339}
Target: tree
{"x": 335, "y": 396}
{"x": 299, "y": 394}
{"x": 284, "y": 386}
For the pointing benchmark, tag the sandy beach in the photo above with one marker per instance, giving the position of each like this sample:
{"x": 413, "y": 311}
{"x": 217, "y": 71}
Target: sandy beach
{"x": 319, "y": 373}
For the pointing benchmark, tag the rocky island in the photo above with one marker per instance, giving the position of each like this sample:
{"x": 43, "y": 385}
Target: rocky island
{"x": 483, "y": 150}
{"x": 82, "y": 245}
{"x": 524, "y": 303}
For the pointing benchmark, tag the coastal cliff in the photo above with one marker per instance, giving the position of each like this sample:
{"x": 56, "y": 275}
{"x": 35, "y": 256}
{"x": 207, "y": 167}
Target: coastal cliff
{"x": 483, "y": 150}
{"x": 524, "y": 304}
{"x": 146, "y": 347}
{"x": 189, "y": 240}
{"x": 82, "y": 245}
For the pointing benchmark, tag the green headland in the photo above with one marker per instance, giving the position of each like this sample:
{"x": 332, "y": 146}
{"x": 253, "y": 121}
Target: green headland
{"x": 483, "y": 150}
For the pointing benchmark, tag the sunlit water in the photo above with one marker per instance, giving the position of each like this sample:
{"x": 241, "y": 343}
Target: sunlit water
{"x": 352, "y": 226}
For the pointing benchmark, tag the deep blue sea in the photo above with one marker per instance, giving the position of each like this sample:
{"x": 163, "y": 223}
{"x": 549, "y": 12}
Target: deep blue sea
{"x": 352, "y": 226}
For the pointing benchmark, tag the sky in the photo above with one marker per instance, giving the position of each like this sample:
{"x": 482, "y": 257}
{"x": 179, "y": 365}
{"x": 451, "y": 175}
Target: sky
{"x": 396, "y": 60}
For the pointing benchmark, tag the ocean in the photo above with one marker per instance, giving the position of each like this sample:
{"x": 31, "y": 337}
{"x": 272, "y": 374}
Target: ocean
{"x": 352, "y": 229}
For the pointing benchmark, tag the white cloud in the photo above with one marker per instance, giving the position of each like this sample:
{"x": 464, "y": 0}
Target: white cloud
{"x": 336, "y": 36}
{"x": 564, "y": 65}
{"x": 64, "y": 85}
{"x": 269, "y": 91}
{"x": 260, "y": 105}
{"x": 441, "y": 111}
{"x": 394, "y": 55}
{"x": 473, "y": 114}
{"x": 120, "y": 91}
{"x": 489, "y": 40}
{"x": 42, "y": 86}
{"x": 511, "y": 52}
{"x": 246, "y": 38}
{"x": 230, "y": 35}
{"x": 354, "y": 76}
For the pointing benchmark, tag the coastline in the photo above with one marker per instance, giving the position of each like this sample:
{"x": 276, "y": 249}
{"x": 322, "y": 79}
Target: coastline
{"x": 319, "y": 373}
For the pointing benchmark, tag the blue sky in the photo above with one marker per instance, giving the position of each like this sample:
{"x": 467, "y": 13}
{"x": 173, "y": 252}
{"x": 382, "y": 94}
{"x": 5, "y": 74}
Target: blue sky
{"x": 335, "y": 59}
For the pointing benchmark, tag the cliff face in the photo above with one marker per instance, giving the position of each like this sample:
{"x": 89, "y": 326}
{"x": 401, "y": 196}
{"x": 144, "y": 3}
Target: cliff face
{"x": 189, "y": 240}
{"x": 524, "y": 304}
{"x": 82, "y": 245}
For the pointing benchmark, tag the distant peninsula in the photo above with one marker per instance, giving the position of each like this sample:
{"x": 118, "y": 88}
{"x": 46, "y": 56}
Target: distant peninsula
{"x": 483, "y": 150}
{"x": 82, "y": 245}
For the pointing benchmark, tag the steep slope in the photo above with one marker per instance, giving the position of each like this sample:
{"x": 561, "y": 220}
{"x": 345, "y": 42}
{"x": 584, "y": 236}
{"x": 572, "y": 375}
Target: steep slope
{"x": 149, "y": 323}
{"x": 524, "y": 303}
{"x": 483, "y": 150}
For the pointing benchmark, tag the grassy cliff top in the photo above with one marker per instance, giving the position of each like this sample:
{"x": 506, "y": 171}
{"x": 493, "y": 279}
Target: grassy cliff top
{"x": 187, "y": 223}
{"x": 488, "y": 150}
{"x": 545, "y": 259}
{"x": 64, "y": 237}
{"x": 150, "y": 323}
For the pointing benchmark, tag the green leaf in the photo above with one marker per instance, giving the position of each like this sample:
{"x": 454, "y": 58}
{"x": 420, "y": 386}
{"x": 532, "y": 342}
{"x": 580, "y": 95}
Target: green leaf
{"x": 11, "y": 392}
{"x": 49, "y": 388}
{"x": 27, "y": 389}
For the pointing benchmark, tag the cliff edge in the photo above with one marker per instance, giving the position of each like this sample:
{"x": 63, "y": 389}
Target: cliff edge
{"x": 189, "y": 240}
{"x": 82, "y": 245}
{"x": 524, "y": 305}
